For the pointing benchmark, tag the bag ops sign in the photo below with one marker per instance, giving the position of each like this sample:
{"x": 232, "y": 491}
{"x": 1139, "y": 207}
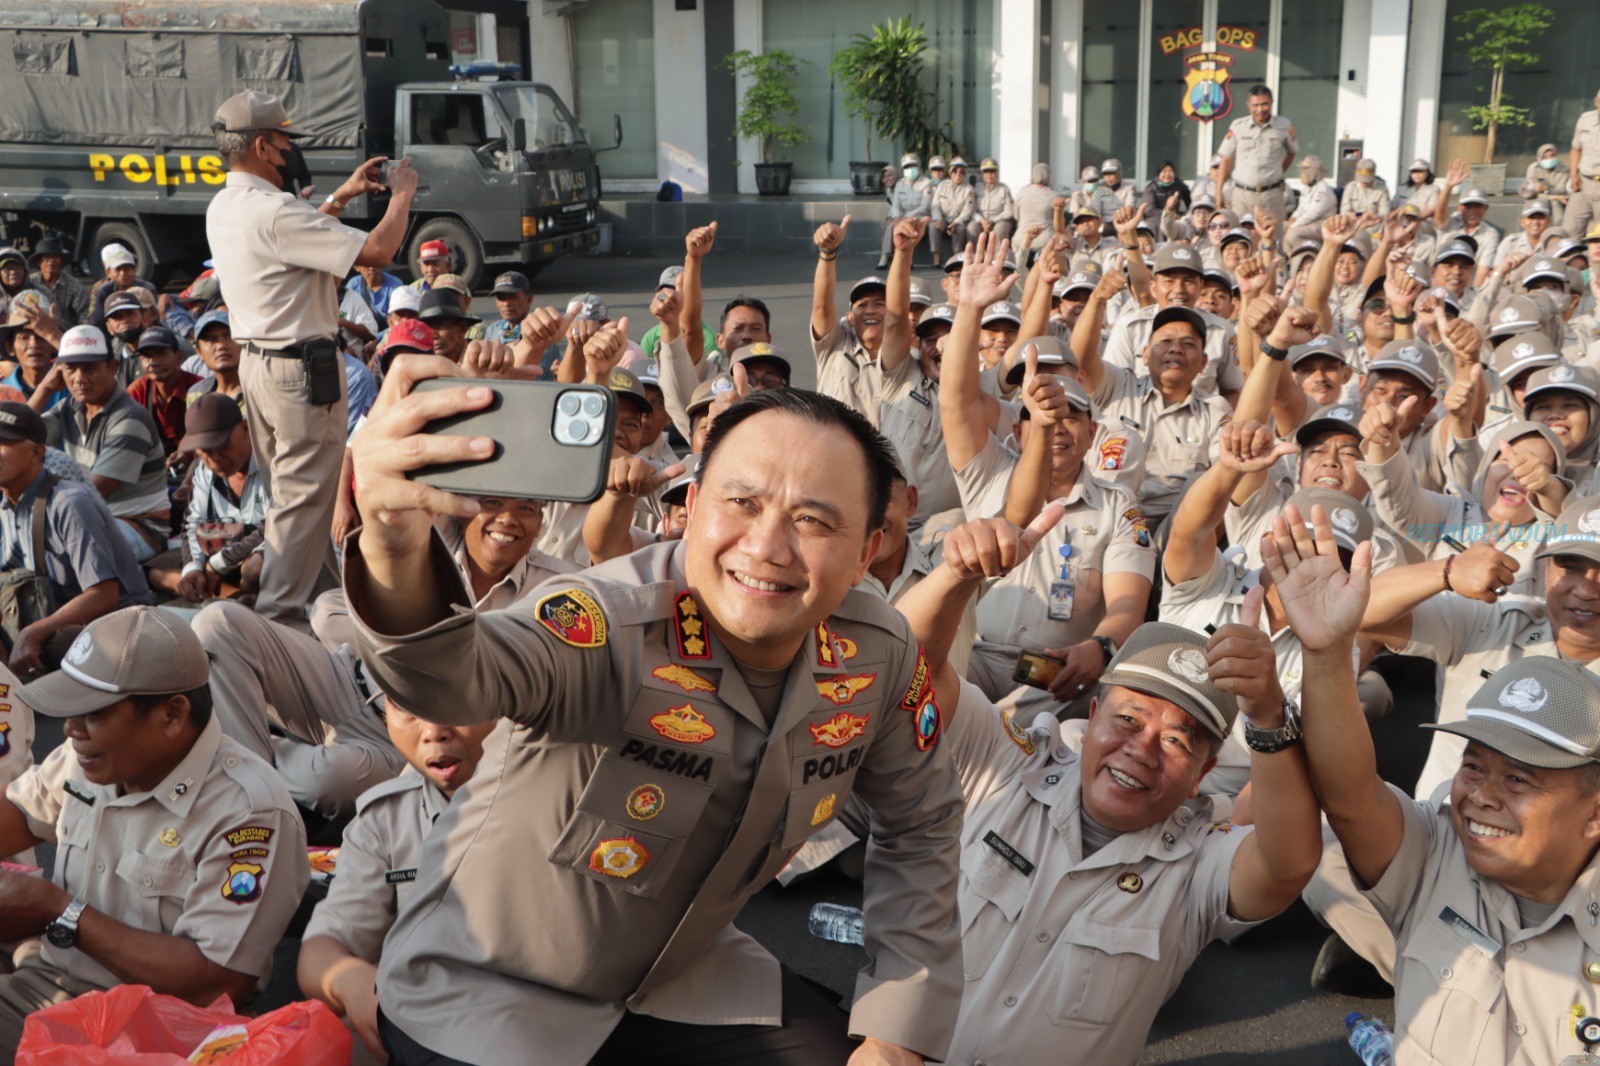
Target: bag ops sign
{"x": 1206, "y": 95}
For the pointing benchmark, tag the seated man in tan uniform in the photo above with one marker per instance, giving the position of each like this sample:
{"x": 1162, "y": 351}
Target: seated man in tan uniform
{"x": 1492, "y": 896}
{"x": 179, "y": 856}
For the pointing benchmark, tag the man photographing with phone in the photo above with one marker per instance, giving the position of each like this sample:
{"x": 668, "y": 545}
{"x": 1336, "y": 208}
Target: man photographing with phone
{"x": 688, "y": 715}
{"x": 273, "y": 254}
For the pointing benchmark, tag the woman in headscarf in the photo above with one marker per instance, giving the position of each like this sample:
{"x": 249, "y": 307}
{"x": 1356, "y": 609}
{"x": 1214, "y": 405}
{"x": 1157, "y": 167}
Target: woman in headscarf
{"x": 1515, "y": 495}
{"x": 1567, "y": 399}
{"x": 1166, "y": 185}
{"x": 1548, "y": 179}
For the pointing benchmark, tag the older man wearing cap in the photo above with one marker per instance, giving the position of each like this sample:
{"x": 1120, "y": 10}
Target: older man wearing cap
{"x": 954, "y": 203}
{"x": 126, "y": 317}
{"x": 61, "y": 531}
{"x": 441, "y": 311}
{"x": 864, "y": 354}
{"x": 1535, "y": 219}
{"x": 1178, "y": 272}
{"x": 13, "y": 277}
{"x": 1074, "y": 858}
{"x": 30, "y": 346}
{"x": 179, "y": 857}
{"x": 434, "y": 260}
{"x": 50, "y": 276}
{"x": 222, "y": 527}
{"x": 1491, "y": 896}
{"x": 1257, "y": 152}
{"x": 1368, "y": 194}
{"x": 279, "y": 260}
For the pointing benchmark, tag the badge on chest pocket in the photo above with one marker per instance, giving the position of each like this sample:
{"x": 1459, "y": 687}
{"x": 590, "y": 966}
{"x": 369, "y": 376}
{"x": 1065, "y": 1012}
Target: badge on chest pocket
{"x": 1063, "y": 589}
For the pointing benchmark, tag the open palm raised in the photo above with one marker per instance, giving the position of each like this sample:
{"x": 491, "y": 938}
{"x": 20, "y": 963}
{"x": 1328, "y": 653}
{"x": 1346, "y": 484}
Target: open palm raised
{"x": 1324, "y": 602}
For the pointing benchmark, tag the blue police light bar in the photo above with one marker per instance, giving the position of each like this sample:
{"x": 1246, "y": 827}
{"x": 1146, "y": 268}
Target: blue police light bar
{"x": 511, "y": 71}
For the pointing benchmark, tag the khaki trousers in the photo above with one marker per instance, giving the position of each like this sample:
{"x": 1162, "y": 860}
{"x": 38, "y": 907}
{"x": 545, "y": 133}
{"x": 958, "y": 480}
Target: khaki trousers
{"x": 1242, "y": 201}
{"x": 1333, "y": 897}
{"x": 1583, "y": 208}
{"x": 299, "y": 449}
{"x": 33, "y": 987}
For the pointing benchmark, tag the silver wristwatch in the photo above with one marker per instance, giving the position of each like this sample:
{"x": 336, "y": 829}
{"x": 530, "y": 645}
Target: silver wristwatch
{"x": 63, "y": 932}
{"x": 334, "y": 202}
{"x": 1268, "y": 741}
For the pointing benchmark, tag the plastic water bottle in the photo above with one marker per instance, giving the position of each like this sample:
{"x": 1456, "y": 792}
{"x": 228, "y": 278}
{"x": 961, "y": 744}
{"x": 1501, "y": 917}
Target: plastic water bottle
{"x": 836, "y": 922}
{"x": 1371, "y": 1039}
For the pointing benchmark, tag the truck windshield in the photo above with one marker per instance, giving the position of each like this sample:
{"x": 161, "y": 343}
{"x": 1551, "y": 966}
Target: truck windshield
{"x": 550, "y": 124}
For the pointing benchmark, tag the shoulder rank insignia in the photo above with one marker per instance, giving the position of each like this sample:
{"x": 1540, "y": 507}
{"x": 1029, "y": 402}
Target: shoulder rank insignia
{"x": 690, "y": 629}
{"x": 574, "y": 617}
{"x": 683, "y": 724}
{"x": 839, "y": 730}
{"x": 683, "y": 677}
{"x": 842, "y": 690}
{"x": 622, "y": 857}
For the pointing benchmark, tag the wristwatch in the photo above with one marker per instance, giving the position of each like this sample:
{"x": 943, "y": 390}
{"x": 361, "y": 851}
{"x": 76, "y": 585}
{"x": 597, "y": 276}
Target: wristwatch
{"x": 1404, "y": 320}
{"x": 1107, "y": 645}
{"x": 63, "y": 932}
{"x": 334, "y": 202}
{"x": 1268, "y": 741}
{"x": 1273, "y": 352}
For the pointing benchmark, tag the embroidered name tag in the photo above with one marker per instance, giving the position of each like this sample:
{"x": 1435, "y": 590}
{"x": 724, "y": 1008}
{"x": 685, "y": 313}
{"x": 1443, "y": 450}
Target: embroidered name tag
{"x": 1008, "y": 853}
{"x": 396, "y": 877}
{"x": 1469, "y": 932}
{"x": 76, "y": 791}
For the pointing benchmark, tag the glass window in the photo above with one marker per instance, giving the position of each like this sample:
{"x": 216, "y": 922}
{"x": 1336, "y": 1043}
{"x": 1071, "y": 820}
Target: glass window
{"x": 549, "y": 124}
{"x": 1171, "y": 135}
{"x": 1556, "y": 90}
{"x": 448, "y": 118}
{"x": 616, "y": 75}
{"x": 960, "y": 71}
{"x": 1308, "y": 76}
{"x": 1108, "y": 108}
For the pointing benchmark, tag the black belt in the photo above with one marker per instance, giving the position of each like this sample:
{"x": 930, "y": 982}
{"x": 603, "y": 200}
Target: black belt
{"x": 298, "y": 352}
{"x": 1259, "y": 188}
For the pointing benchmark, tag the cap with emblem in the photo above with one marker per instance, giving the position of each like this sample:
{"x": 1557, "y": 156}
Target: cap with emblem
{"x": 1576, "y": 532}
{"x": 1174, "y": 257}
{"x": 1085, "y": 211}
{"x": 669, "y": 277}
{"x": 212, "y": 318}
{"x": 1411, "y": 210}
{"x": 513, "y": 281}
{"x": 1169, "y": 662}
{"x": 936, "y": 162}
{"x": 676, "y": 493}
{"x": 1456, "y": 249}
{"x": 919, "y": 294}
{"x": 137, "y": 651}
{"x": 1539, "y": 710}
{"x": 1334, "y": 418}
{"x": 1322, "y": 344}
{"x": 157, "y": 338}
{"x": 1349, "y": 517}
{"x": 1421, "y": 164}
{"x": 18, "y": 421}
{"x": 910, "y": 160}
{"x": 1002, "y": 311}
{"x": 1177, "y": 313}
{"x": 1113, "y": 165}
{"x": 1234, "y": 236}
{"x": 255, "y": 110}
{"x": 433, "y": 250}
{"x": 1203, "y": 200}
{"x": 1524, "y": 352}
{"x": 1301, "y": 253}
{"x": 441, "y": 305}
{"x": 1360, "y": 244}
{"x": 589, "y": 307}
{"x": 83, "y": 344}
{"x": 122, "y": 302}
{"x": 1077, "y": 281}
{"x": 454, "y": 282}
{"x": 939, "y": 314}
{"x": 1569, "y": 248}
{"x": 762, "y": 352}
{"x": 1413, "y": 357}
{"x": 1518, "y": 314}
{"x": 1221, "y": 275}
{"x": 1054, "y": 354}
{"x": 870, "y": 283}
{"x": 209, "y": 422}
{"x": 1569, "y": 377}
{"x": 954, "y": 264}
{"x": 1089, "y": 173}
{"x": 1473, "y": 195}
{"x": 988, "y": 164}
{"x": 627, "y": 386}
{"x": 1539, "y": 269}
{"x": 1536, "y": 207}
{"x": 957, "y": 162}
{"x": 408, "y": 335}
{"x": 116, "y": 255}
{"x": 702, "y": 396}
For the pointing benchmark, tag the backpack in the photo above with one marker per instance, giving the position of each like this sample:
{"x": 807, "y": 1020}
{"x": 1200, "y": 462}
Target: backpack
{"x": 26, "y": 595}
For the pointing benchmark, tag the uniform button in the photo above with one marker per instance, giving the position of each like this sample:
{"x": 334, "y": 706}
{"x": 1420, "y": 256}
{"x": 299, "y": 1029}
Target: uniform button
{"x": 1519, "y": 947}
{"x": 1072, "y": 876}
{"x": 1520, "y": 1029}
{"x": 148, "y": 882}
{"x": 230, "y": 761}
{"x": 1447, "y": 973}
{"x": 1044, "y": 937}
{"x": 1011, "y": 1001}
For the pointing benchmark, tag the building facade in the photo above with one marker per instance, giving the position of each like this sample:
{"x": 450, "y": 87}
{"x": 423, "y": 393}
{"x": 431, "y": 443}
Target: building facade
{"x": 1068, "y": 82}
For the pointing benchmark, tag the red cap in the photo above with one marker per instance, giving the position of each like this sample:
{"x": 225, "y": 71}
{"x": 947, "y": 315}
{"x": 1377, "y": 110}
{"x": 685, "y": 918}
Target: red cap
{"x": 411, "y": 333}
{"x": 434, "y": 250}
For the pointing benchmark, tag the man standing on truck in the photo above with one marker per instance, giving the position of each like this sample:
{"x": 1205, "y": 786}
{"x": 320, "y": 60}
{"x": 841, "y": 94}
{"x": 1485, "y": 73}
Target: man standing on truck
{"x": 274, "y": 253}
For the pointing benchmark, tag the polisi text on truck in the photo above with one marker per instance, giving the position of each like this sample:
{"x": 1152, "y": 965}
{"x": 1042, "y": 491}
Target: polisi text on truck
{"x": 183, "y": 169}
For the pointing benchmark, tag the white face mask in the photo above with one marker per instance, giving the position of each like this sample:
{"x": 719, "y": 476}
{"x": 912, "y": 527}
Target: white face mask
{"x": 912, "y": 173}
{"x": 1548, "y": 164}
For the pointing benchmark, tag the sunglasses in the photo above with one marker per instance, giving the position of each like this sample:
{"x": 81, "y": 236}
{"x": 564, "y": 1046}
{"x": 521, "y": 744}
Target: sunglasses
{"x": 1375, "y": 307}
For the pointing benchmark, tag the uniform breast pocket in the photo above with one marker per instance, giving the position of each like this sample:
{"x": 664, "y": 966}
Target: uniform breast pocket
{"x": 158, "y": 887}
{"x": 1447, "y": 988}
{"x": 1100, "y": 967}
{"x": 990, "y": 897}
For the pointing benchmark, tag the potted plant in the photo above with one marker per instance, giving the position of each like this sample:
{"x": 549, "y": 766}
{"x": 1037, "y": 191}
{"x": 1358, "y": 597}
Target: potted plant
{"x": 880, "y": 73}
{"x": 767, "y": 112}
{"x": 1496, "y": 38}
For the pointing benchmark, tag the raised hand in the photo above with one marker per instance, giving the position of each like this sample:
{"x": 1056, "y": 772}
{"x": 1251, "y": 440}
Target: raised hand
{"x": 630, "y": 476}
{"x": 1459, "y": 398}
{"x": 1400, "y": 289}
{"x": 1322, "y": 600}
{"x": 1527, "y": 469}
{"x": 1240, "y": 659}
{"x": 1126, "y": 221}
{"x": 488, "y": 359}
{"x": 908, "y": 233}
{"x": 1172, "y": 203}
{"x": 992, "y": 547}
{"x": 1111, "y": 282}
{"x": 829, "y": 236}
{"x": 1051, "y": 268}
{"x": 1255, "y": 273}
{"x": 738, "y": 387}
{"x": 1042, "y": 394}
{"x": 1380, "y": 429}
{"x": 543, "y": 326}
{"x": 1261, "y": 317}
{"x": 1251, "y": 447}
{"x": 604, "y": 350}
{"x": 1297, "y": 325}
{"x": 983, "y": 276}
{"x": 1340, "y": 228}
{"x": 697, "y": 242}
{"x": 1267, "y": 227}
{"x": 665, "y": 306}
{"x": 1455, "y": 174}
{"x": 1464, "y": 342}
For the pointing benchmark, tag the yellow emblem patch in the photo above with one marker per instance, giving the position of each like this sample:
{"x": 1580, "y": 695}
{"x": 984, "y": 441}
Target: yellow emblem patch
{"x": 824, "y": 808}
{"x": 1018, "y": 735}
{"x": 683, "y": 724}
{"x": 842, "y": 690}
{"x": 622, "y": 857}
{"x": 645, "y": 802}
{"x": 683, "y": 677}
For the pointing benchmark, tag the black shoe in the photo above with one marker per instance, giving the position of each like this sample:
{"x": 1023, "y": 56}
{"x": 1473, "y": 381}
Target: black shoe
{"x": 1340, "y": 970}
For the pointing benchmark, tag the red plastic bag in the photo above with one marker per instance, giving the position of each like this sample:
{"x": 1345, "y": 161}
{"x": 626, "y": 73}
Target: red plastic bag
{"x": 133, "y": 1026}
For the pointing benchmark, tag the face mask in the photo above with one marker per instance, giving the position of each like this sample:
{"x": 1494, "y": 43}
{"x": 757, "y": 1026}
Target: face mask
{"x": 1164, "y": 184}
{"x": 912, "y": 173}
{"x": 1548, "y": 164}
{"x": 291, "y": 166}
{"x": 1088, "y": 186}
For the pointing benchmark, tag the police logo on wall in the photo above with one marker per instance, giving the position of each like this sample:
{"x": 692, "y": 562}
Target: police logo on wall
{"x": 1205, "y": 87}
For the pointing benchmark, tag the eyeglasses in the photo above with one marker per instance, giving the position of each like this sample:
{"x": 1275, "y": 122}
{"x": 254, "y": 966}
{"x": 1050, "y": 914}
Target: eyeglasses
{"x": 764, "y": 380}
{"x": 1218, "y": 225}
{"x": 1375, "y": 307}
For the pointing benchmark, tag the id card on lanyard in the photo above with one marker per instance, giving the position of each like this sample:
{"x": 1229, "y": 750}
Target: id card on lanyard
{"x": 1062, "y": 589}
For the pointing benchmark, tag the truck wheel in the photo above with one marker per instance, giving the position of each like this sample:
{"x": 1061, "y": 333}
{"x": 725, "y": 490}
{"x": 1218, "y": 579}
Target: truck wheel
{"x": 465, "y": 253}
{"x": 130, "y": 237}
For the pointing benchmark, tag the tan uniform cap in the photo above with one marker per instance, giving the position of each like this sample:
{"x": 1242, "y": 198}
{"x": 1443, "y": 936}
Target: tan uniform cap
{"x": 137, "y": 651}
{"x": 1540, "y": 710}
{"x": 253, "y": 110}
{"x": 1169, "y": 662}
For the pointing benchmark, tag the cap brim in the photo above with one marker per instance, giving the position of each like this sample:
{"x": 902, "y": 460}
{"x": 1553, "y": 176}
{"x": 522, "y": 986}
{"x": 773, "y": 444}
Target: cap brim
{"x": 194, "y": 442}
{"x": 60, "y": 695}
{"x": 1020, "y": 368}
{"x": 1586, "y": 545}
{"x": 1507, "y": 739}
{"x": 1317, "y": 426}
{"x": 783, "y": 364}
{"x": 84, "y": 358}
{"x": 1405, "y": 368}
{"x": 1164, "y": 686}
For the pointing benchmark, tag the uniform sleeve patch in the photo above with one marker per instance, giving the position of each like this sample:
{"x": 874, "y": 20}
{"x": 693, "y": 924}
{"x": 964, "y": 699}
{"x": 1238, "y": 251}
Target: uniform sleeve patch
{"x": 1113, "y": 453}
{"x": 913, "y": 698}
{"x": 1141, "y": 528}
{"x": 929, "y": 722}
{"x": 244, "y": 882}
{"x": 249, "y": 834}
{"x": 574, "y": 617}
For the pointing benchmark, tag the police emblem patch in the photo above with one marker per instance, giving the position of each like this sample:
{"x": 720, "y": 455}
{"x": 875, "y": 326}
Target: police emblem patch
{"x": 244, "y": 882}
{"x": 1130, "y": 882}
{"x": 929, "y": 722}
{"x": 683, "y": 677}
{"x": 620, "y": 857}
{"x": 645, "y": 802}
{"x": 842, "y": 690}
{"x": 574, "y": 617}
{"x": 1525, "y": 695}
{"x": 1112, "y": 453}
{"x": 5, "y": 740}
{"x": 683, "y": 724}
{"x": 839, "y": 730}
{"x": 824, "y": 808}
{"x": 912, "y": 700}
{"x": 1019, "y": 736}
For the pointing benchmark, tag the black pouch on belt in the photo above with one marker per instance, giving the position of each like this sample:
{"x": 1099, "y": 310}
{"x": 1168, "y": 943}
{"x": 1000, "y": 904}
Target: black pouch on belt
{"x": 323, "y": 372}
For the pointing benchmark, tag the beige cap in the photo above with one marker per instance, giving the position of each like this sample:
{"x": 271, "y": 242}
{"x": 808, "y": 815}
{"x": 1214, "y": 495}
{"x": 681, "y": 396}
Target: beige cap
{"x": 1563, "y": 377}
{"x": 137, "y": 651}
{"x": 1169, "y": 662}
{"x": 253, "y": 110}
{"x": 1351, "y": 521}
{"x": 1541, "y": 710}
{"x": 761, "y": 351}
{"x": 1522, "y": 352}
{"x": 1413, "y": 357}
{"x": 1576, "y": 532}
{"x": 1053, "y": 355}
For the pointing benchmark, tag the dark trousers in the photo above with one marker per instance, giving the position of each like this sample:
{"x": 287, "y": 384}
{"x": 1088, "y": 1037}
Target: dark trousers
{"x": 813, "y": 1031}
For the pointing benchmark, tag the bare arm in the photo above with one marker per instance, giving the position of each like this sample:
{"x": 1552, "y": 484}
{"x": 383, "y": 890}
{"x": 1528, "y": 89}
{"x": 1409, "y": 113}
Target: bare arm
{"x": 897, "y": 332}
{"x": 606, "y": 525}
{"x": 1246, "y": 448}
{"x": 697, "y": 244}
{"x": 1086, "y": 334}
{"x": 828, "y": 238}
{"x": 960, "y": 407}
{"x": 383, "y": 243}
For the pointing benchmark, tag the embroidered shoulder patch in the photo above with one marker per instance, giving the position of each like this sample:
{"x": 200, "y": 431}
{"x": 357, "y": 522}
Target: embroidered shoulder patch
{"x": 913, "y": 698}
{"x": 574, "y": 617}
{"x": 690, "y": 629}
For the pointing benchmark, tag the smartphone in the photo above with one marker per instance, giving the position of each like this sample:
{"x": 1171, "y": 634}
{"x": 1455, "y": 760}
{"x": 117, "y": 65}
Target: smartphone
{"x": 552, "y": 441}
{"x": 1035, "y": 669}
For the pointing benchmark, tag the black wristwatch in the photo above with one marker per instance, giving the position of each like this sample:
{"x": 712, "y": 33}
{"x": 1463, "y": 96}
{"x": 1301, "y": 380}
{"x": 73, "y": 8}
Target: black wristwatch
{"x": 1404, "y": 320}
{"x": 1268, "y": 741}
{"x": 63, "y": 932}
{"x": 1273, "y": 352}
{"x": 1107, "y": 645}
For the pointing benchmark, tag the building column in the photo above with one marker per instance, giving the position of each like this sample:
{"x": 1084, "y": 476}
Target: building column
{"x": 1066, "y": 75}
{"x": 1426, "y": 62}
{"x": 1386, "y": 88}
{"x": 747, "y": 35}
{"x": 1016, "y": 108}
{"x": 682, "y": 145}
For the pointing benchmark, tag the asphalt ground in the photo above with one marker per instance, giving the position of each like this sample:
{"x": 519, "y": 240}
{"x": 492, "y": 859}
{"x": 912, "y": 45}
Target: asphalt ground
{"x": 1243, "y": 1003}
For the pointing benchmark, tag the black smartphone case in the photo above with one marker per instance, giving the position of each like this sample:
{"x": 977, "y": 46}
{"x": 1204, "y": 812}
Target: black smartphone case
{"x": 528, "y": 462}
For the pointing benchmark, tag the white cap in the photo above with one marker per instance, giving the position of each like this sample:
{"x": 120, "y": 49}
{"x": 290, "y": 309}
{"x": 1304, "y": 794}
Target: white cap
{"x": 83, "y": 341}
{"x": 116, "y": 255}
{"x": 405, "y": 298}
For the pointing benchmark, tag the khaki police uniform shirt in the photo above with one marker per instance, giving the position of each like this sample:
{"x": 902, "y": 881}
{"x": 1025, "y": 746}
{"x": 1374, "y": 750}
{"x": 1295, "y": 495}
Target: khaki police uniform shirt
{"x": 1180, "y": 439}
{"x": 995, "y": 204}
{"x": 1487, "y": 235}
{"x": 379, "y": 856}
{"x": 850, "y": 374}
{"x": 1586, "y": 138}
{"x": 1259, "y": 151}
{"x": 1131, "y": 335}
{"x": 1068, "y": 957}
{"x": 215, "y": 853}
{"x": 597, "y": 858}
{"x": 1472, "y": 986}
{"x": 911, "y": 421}
{"x": 279, "y": 260}
{"x": 953, "y": 201}
{"x": 1359, "y": 199}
